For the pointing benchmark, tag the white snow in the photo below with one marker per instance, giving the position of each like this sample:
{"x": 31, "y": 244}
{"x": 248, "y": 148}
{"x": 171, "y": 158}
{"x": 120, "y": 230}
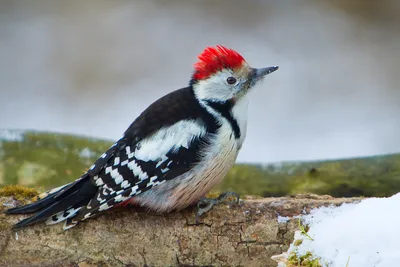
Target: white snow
{"x": 364, "y": 234}
{"x": 283, "y": 219}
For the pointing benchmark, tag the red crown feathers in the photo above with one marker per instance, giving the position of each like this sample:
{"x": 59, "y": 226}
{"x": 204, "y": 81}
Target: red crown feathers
{"x": 214, "y": 59}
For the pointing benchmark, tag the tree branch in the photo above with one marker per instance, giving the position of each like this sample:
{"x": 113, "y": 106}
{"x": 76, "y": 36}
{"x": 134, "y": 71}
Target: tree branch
{"x": 244, "y": 235}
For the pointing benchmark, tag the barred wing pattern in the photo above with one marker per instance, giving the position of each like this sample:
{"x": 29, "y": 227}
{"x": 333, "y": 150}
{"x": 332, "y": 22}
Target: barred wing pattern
{"x": 132, "y": 170}
{"x": 165, "y": 141}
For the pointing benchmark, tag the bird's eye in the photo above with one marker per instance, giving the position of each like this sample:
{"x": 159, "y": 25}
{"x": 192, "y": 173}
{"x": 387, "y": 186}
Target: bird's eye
{"x": 231, "y": 80}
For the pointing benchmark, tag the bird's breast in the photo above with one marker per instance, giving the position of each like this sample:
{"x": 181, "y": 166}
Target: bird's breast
{"x": 217, "y": 159}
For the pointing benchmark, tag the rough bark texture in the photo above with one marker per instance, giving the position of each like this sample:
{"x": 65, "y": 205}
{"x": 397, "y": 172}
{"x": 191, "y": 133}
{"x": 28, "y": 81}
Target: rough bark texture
{"x": 247, "y": 234}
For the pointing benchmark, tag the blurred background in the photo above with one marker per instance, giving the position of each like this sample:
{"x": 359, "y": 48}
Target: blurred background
{"x": 90, "y": 67}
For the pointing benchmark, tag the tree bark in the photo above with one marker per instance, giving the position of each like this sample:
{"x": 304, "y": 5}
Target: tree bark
{"x": 247, "y": 234}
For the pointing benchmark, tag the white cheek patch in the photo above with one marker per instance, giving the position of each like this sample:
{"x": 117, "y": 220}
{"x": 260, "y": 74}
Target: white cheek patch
{"x": 215, "y": 87}
{"x": 167, "y": 139}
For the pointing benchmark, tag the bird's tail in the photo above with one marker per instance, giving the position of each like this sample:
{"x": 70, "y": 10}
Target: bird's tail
{"x": 57, "y": 204}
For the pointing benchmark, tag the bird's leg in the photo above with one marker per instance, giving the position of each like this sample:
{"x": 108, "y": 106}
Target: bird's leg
{"x": 206, "y": 204}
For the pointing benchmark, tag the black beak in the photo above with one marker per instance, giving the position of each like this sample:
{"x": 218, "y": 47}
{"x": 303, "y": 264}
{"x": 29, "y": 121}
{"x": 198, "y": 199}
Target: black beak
{"x": 261, "y": 73}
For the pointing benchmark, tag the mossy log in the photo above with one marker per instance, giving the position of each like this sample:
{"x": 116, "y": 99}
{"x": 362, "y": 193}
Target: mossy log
{"x": 247, "y": 234}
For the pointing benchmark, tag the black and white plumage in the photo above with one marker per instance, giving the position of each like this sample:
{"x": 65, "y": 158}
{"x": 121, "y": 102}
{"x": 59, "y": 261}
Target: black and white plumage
{"x": 171, "y": 155}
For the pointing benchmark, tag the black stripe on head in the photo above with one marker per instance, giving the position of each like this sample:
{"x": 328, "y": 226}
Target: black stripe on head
{"x": 225, "y": 109}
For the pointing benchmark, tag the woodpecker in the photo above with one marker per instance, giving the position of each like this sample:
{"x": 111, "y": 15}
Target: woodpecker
{"x": 172, "y": 154}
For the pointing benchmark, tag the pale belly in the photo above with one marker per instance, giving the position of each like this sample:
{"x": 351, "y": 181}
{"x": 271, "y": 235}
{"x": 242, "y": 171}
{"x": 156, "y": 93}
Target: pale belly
{"x": 188, "y": 188}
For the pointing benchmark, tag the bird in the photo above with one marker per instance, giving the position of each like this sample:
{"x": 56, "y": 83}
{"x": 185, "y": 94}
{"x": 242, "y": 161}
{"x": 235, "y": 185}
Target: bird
{"x": 171, "y": 155}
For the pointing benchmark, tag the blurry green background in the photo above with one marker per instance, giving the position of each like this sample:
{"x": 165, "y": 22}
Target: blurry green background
{"x": 46, "y": 160}
{"x": 90, "y": 67}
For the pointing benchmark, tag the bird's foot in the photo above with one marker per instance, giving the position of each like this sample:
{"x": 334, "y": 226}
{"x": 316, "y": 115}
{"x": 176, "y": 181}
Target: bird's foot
{"x": 206, "y": 204}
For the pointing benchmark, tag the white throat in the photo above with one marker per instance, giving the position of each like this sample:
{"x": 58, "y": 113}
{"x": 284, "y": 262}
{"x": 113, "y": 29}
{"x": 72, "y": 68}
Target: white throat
{"x": 239, "y": 113}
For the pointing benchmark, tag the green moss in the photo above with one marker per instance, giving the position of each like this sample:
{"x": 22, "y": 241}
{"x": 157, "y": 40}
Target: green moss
{"x": 306, "y": 260}
{"x": 4, "y": 226}
{"x": 49, "y": 160}
{"x": 213, "y": 194}
{"x": 18, "y": 192}
{"x": 377, "y": 176}
{"x": 304, "y": 230}
{"x": 298, "y": 242}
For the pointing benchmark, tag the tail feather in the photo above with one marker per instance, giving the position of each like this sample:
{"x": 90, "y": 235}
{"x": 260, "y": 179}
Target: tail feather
{"x": 47, "y": 212}
{"x": 58, "y": 205}
{"x": 46, "y": 199}
{"x": 62, "y": 215}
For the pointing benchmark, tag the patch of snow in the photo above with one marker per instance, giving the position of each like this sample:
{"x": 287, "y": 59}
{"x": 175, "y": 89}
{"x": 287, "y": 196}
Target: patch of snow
{"x": 364, "y": 234}
{"x": 11, "y": 135}
{"x": 282, "y": 219}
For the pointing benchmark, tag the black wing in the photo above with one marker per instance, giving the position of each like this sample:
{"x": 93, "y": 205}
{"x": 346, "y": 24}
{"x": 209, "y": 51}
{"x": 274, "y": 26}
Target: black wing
{"x": 123, "y": 175}
{"x": 99, "y": 189}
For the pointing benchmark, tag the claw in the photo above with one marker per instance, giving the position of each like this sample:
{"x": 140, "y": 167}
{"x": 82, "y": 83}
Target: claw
{"x": 206, "y": 204}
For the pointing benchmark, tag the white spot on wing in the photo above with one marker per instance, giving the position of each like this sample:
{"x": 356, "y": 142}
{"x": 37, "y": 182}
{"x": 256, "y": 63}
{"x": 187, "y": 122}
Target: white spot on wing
{"x": 105, "y": 192}
{"x": 134, "y": 190}
{"x": 66, "y": 227}
{"x": 151, "y": 182}
{"x": 120, "y": 191}
{"x": 129, "y": 153}
{"x": 116, "y": 176}
{"x": 137, "y": 171}
{"x": 125, "y": 184}
{"x": 105, "y": 206}
{"x": 120, "y": 198}
{"x": 165, "y": 170}
{"x": 99, "y": 199}
{"x": 108, "y": 169}
{"x": 170, "y": 138}
{"x": 109, "y": 189}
